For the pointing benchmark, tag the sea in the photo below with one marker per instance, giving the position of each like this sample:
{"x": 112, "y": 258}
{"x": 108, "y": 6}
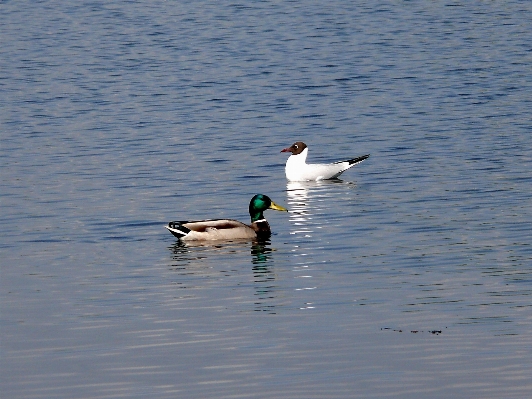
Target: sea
{"x": 408, "y": 277}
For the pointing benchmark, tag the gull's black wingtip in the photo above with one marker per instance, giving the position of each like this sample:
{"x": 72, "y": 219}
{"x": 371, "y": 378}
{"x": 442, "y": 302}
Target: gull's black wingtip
{"x": 358, "y": 159}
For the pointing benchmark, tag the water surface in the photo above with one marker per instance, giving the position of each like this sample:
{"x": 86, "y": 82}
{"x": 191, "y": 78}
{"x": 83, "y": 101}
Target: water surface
{"x": 410, "y": 277}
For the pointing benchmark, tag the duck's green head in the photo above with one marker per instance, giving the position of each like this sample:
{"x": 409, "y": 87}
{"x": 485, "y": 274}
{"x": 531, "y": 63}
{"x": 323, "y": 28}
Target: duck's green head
{"x": 259, "y": 203}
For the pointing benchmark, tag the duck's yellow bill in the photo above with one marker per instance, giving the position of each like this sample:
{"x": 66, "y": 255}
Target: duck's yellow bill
{"x": 276, "y": 207}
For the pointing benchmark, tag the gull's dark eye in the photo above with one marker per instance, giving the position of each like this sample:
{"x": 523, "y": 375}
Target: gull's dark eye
{"x": 295, "y": 145}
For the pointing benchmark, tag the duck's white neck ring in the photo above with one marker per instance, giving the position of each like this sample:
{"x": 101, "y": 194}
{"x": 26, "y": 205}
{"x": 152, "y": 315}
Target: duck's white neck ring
{"x": 260, "y": 221}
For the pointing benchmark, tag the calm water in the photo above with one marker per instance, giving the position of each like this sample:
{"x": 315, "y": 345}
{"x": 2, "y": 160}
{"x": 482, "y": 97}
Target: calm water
{"x": 411, "y": 278}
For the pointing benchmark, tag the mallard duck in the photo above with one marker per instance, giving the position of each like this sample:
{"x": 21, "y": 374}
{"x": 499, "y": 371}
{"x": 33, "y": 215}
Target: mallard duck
{"x": 228, "y": 229}
{"x": 297, "y": 169}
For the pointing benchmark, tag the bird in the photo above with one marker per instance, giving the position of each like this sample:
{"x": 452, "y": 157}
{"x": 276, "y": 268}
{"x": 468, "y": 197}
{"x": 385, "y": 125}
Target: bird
{"x": 228, "y": 229}
{"x": 297, "y": 169}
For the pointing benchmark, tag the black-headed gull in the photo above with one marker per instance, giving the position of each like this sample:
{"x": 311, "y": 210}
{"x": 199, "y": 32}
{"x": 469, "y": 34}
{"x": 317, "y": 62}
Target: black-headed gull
{"x": 297, "y": 169}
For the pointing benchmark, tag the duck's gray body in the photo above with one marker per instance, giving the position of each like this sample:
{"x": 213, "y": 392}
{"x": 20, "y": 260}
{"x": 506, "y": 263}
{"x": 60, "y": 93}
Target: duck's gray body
{"x": 218, "y": 229}
{"x": 228, "y": 229}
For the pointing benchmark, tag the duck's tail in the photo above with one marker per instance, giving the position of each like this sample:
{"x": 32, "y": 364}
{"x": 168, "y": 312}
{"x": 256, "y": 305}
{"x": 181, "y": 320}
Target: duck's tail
{"x": 178, "y": 229}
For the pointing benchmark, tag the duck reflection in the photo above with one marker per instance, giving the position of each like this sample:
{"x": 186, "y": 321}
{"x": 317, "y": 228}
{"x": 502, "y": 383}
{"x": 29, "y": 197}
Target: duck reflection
{"x": 195, "y": 259}
{"x": 264, "y": 277}
{"x": 260, "y": 250}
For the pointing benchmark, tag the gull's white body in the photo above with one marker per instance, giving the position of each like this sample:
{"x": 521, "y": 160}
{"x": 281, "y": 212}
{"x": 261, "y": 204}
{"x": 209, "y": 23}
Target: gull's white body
{"x": 297, "y": 168}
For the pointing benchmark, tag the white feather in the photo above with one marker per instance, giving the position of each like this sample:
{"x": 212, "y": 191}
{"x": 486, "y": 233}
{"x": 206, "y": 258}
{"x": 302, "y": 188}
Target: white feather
{"x": 297, "y": 168}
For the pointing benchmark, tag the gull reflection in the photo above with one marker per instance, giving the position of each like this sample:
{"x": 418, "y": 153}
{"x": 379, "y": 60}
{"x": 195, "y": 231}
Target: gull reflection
{"x": 309, "y": 203}
{"x": 301, "y": 202}
{"x": 298, "y": 203}
{"x": 305, "y": 200}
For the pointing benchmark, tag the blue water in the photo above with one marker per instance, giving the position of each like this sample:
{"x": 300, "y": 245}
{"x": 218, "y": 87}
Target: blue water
{"x": 409, "y": 278}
